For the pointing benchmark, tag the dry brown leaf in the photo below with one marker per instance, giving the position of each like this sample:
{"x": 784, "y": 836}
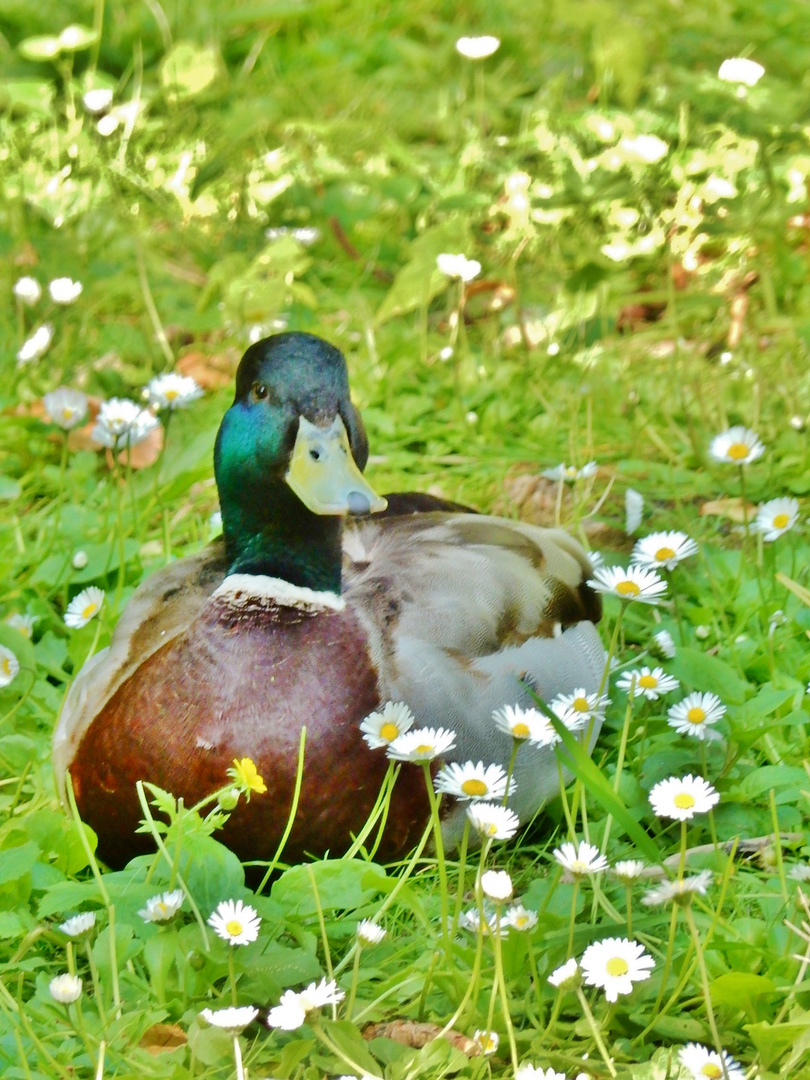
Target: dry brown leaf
{"x": 144, "y": 454}
{"x": 211, "y": 370}
{"x": 162, "y": 1037}
{"x": 416, "y": 1035}
{"x": 729, "y": 508}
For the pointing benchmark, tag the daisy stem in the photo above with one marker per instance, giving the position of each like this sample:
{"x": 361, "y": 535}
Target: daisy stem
{"x": 704, "y": 977}
{"x": 462, "y": 867}
{"x": 629, "y": 898}
{"x": 682, "y": 859}
{"x": 572, "y": 832}
{"x": 102, "y": 1049}
{"x": 333, "y": 1048}
{"x": 91, "y": 960}
{"x": 237, "y": 1053}
{"x": 533, "y": 968}
{"x": 570, "y": 951}
{"x": 232, "y": 974}
{"x": 611, "y": 650}
{"x": 380, "y": 808}
{"x": 500, "y": 982}
{"x": 628, "y": 712}
{"x": 512, "y": 758}
{"x": 440, "y": 861}
{"x": 299, "y": 779}
{"x": 673, "y": 920}
{"x": 353, "y": 989}
{"x": 597, "y": 1036}
{"x": 777, "y": 845}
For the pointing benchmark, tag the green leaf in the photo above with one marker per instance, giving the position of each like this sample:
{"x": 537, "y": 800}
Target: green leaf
{"x": 347, "y": 1038}
{"x": 579, "y": 762}
{"x": 740, "y": 990}
{"x": 211, "y": 871}
{"x": 16, "y": 861}
{"x": 278, "y": 968}
{"x": 345, "y": 884}
{"x": 773, "y": 1040}
{"x": 419, "y": 280}
{"x": 786, "y": 781}
{"x": 189, "y": 69}
{"x": 40, "y": 48}
{"x": 697, "y": 669}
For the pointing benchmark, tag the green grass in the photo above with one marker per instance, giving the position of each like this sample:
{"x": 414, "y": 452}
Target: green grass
{"x": 362, "y": 121}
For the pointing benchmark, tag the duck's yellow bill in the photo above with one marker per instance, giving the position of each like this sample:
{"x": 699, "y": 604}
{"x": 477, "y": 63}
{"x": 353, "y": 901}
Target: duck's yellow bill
{"x": 323, "y": 473}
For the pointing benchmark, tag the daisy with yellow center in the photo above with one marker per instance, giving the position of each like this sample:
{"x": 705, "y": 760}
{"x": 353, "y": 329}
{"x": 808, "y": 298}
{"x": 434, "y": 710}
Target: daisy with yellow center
{"x": 680, "y": 891}
{"x": 523, "y": 723}
{"x": 171, "y": 391}
{"x": 66, "y": 407}
{"x": 421, "y": 744}
{"x": 493, "y": 822}
{"x": 695, "y": 713}
{"x": 246, "y": 776}
{"x": 663, "y": 550}
{"x": 23, "y": 624}
{"x": 469, "y": 781}
{"x": 520, "y": 918}
{"x": 383, "y": 727}
{"x": 614, "y": 965}
{"x": 776, "y": 517}
{"x": 579, "y": 708}
{"x": 293, "y": 1009}
{"x": 682, "y": 798}
{"x": 649, "y": 683}
{"x": 634, "y": 583}
{"x": 579, "y": 861}
{"x": 162, "y": 907}
{"x": 235, "y": 922}
{"x": 736, "y": 446}
{"x": 9, "y": 666}
{"x": 84, "y": 607}
{"x": 705, "y": 1064}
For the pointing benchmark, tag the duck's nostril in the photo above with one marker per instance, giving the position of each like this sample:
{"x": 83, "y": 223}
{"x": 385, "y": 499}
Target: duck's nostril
{"x": 358, "y": 503}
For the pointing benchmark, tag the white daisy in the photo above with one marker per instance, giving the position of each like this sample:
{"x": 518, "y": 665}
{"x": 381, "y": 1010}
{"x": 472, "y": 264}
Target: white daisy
{"x": 27, "y": 290}
{"x": 650, "y": 683}
{"x": 664, "y": 645}
{"x": 421, "y": 744}
{"x": 739, "y": 69}
{"x": 9, "y": 666}
{"x": 776, "y": 517}
{"x": 470, "y": 781}
{"x": 800, "y": 872}
{"x": 634, "y": 583}
{"x": 523, "y": 723}
{"x": 36, "y": 345}
{"x": 65, "y": 290}
{"x": 663, "y": 550}
{"x": 579, "y": 860}
{"x": 96, "y": 101}
{"x": 487, "y": 1041}
{"x": 628, "y": 870}
{"x": 235, "y": 922}
{"x": 737, "y": 446}
{"x": 84, "y": 607}
{"x": 534, "y": 1072}
{"x": 458, "y": 266}
{"x": 614, "y": 964}
{"x": 579, "y": 708}
{"x": 79, "y": 924}
{"x": 66, "y": 408}
{"x": 497, "y": 885}
{"x": 567, "y": 976}
{"x": 471, "y": 920}
{"x": 23, "y": 624}
{"x": 369, "y": 933}
{"x": 162, "y": 907}
{"x": 79, "y": 560}
{"x": 633, "y": 510}
{"x": 232, "y": 1020}
{"x": 292, "y": 1010}
{"x": 172, "y": 391}
{"x": 705, "y": 1064}
{"x": 693, "y": 715}
{"x": 681, "y": 890}
{"x": 519, "y": 917}
{"x": 65, "y": 988}
{"x": 478, "y": 48}
{"x": 682, "y": 798}
{"x": 122, "y": 423}
{"x": 570, "y": 473}
{"x": 493, "y": 822}
{"x": 382, "y": 728}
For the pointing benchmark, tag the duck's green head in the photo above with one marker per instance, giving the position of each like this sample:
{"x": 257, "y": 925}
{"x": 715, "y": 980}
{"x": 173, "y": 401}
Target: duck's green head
{"x": 288, "y": 460}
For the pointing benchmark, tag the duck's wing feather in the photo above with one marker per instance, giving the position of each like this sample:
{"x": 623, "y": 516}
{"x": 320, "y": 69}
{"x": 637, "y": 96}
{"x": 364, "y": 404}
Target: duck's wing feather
{"x": 162, "y": 607}
{"x": 464, "y": 612}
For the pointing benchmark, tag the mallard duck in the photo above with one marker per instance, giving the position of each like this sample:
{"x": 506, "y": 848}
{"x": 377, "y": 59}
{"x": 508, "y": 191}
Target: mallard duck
{"x": 317, "y": 605}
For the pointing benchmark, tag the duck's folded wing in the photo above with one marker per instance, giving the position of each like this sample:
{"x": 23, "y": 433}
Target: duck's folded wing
{"x": 160, "y": 609}
{"x": 464, "y": 614}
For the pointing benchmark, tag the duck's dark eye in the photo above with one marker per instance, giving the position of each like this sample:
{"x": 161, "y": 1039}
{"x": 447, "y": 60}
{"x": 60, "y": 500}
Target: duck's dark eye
{"x": 315, "y": 455}
{"x": 259, "y": 391}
